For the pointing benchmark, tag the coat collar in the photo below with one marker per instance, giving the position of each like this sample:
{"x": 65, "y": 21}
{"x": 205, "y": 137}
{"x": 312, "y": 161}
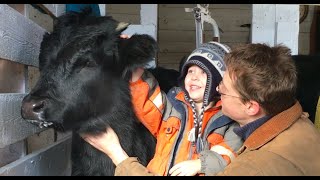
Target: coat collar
{"x": 273, "y": 127}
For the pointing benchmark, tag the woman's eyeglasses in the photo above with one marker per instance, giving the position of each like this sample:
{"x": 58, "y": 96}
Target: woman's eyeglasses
{"x": 223, "y": 94}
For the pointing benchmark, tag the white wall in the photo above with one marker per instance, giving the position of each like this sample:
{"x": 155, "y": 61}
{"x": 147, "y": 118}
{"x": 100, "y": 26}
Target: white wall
{"x": 276, "y": 24}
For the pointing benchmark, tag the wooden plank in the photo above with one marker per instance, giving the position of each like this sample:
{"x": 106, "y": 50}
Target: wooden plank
{"x": 305, "y": 27}
{"x": 149, "y": 17}
{"x": 225, "y": 23}
{"x": 179, "y": 13}
{"x": 102, "y": 9}
{"x": 12, "y": 127}
{"x": 169, "y": 55}
{"x": 190, "y": 36}
{"x": 149, "y": 14}
{"x": 287, "y": 26}
{"x": 227, "y": 19}
{"x": 177, "y": 29}
{"x": 141, "y": 29}
{"x": 211, "y": 6}
{"x": 40, "y": 140}
{"x": 132, "y": 19}
{"x": 171, "y": 58}
{"x": 233, "y": 37}
{"x": 263, "y": 23}
{"x": 12, "y": 152}
{"x": 18, "y": 7}
{"x": 183, "y": 47}
{"x": 221, "y": 16}
{"x": 12, "y": 78}
{"x": 128, "y": 9}
{"x": 173, "y": 54}
{"x": 176, "y": 47}
{"x": 21, "y": 44}
{"x": 32, "y": 76}
{"x": 56, "y": 9}
{"x": 43, "y": 20}
{"x": 54, "y": 160}
{"x": 170, "y": 66}
{"x": 304, "y": 41}
{"x": 310, "y": 14}
{"x": 306, "y": 24}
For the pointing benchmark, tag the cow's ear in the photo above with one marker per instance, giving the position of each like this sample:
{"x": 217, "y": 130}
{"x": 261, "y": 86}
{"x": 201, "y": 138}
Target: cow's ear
{"x": 122, "y": 26}
{"x": 138, "y": 50}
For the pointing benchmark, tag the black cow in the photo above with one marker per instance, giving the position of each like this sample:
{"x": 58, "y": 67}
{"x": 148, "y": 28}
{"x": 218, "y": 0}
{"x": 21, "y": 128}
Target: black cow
{"x": 83, "y": 86}
{"x": 308, "y": 91}
{"x": 167, "y": 78}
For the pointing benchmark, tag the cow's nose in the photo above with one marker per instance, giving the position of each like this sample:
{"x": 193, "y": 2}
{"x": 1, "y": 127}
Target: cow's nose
{"x": 32, "y": 108}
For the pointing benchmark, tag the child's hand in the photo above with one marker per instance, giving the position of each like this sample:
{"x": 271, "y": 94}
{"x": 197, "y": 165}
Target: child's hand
{"x": 125, "y": 36}
{"x": 136, "y": 74}
{"x": 139, "y": 71}
{"x": 186, "y": 168}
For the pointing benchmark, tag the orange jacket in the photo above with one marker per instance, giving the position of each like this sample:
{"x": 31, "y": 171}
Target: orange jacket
{"x": 163, "y": 118}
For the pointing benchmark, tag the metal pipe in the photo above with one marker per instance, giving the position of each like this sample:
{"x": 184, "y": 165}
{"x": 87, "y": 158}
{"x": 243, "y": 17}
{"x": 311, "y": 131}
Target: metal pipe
{"x": 202, "y": 14}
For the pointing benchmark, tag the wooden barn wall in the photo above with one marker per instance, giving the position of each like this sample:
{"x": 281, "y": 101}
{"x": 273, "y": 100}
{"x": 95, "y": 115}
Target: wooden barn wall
{"x": 176, "y": 28}
{"x": 124, "y": 12}
{"x": 12, "y": 80}
{"x": 18, "y": 74}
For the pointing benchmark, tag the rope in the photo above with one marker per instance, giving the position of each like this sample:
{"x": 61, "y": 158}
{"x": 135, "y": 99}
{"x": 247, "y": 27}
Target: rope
{"x": 196, "y": 132}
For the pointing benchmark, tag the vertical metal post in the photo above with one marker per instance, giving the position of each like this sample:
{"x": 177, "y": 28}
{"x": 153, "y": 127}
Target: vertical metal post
{"x": 202, "y": 14}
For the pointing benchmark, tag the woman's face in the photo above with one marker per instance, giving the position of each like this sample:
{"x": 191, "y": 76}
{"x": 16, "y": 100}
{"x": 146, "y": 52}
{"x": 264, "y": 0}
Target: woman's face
{"x": 232, "y": 106}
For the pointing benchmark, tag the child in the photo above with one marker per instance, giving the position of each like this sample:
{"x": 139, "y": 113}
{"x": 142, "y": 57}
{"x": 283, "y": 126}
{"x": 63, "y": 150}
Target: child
{"x": 193, "y": 137}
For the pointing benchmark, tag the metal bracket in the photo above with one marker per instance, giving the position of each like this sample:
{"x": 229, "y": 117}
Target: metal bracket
{"x": 202, "y": 14}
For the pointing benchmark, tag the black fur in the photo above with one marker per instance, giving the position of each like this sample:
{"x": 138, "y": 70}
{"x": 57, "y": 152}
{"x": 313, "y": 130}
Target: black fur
{"x": 167, "y": 78}
{"x": 308, "y": 91}
{"x": 83, "y": 86}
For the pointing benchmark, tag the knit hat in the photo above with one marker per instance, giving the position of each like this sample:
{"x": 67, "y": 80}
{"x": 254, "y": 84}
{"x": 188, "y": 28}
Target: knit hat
{"x": 209, "y": 57}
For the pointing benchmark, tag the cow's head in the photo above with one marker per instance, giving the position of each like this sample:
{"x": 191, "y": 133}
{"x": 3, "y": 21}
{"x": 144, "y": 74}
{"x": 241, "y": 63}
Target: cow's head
{"x": 83, "y": 66}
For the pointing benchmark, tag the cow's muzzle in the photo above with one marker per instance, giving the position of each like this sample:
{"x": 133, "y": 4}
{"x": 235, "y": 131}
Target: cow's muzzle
{"x": 32, "y": 110}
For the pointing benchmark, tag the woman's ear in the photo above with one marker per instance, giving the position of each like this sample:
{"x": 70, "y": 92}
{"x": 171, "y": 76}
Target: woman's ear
{"x": 252, "y": 108}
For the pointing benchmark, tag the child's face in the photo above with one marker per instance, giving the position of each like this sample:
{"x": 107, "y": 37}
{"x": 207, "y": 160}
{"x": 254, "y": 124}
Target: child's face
{"x": 195, "y": 83}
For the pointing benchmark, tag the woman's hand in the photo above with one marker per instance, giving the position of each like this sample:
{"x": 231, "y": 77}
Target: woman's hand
{"x": 186, "y": 168}
{"x": 108, "y": 143}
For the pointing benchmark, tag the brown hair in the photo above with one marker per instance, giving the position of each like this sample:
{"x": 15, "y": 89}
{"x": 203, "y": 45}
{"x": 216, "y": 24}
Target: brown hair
{"x": 264, "y": 74}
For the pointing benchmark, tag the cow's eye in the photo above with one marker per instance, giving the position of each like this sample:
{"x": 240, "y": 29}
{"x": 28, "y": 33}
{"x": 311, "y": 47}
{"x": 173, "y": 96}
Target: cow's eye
{"x": 82, "y": 63}
{"x": 91, "y": 64}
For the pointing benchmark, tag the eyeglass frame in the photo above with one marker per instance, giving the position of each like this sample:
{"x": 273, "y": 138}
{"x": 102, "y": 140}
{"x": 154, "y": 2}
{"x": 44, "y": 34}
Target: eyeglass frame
{"x": 223, "y": 94}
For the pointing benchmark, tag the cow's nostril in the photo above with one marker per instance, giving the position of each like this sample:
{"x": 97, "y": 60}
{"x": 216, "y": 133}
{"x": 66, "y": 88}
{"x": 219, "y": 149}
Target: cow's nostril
{"x": 38, "y": 106}
{"x": 33, "y": 108}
